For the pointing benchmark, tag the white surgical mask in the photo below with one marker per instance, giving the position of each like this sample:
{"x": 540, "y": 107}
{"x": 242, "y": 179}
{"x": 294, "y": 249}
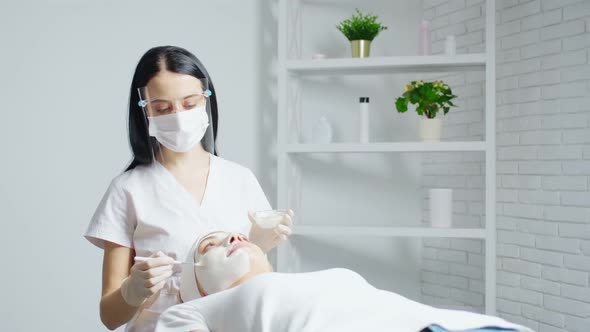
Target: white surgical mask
{"x": 216, "y": 272}
{"x": 180, "y": 131}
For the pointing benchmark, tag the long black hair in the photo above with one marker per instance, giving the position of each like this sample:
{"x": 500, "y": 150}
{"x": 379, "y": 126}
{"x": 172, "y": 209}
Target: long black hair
{"x": 174, "y": 59}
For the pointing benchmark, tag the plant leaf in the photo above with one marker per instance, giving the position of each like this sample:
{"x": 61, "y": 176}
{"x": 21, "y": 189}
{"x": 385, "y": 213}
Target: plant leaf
{"x": 401, "y": 104}
{"x": 360, "y": 26}
{"x": 420, "y": 110}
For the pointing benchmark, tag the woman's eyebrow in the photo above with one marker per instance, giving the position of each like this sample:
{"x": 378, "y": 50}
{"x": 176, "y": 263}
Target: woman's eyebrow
{"x": 193, "y": 95}
{"x": 214, "y": 235}
{"x": 206, "y": 242}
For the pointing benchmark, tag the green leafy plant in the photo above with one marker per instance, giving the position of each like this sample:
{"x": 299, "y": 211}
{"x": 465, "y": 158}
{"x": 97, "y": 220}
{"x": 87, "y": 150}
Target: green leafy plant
{"x": 430, "y": 97}
{"x": 361, "y": 27}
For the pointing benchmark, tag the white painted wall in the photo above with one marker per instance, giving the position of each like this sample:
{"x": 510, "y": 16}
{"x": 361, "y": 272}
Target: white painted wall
{"x": 67, "y": 67}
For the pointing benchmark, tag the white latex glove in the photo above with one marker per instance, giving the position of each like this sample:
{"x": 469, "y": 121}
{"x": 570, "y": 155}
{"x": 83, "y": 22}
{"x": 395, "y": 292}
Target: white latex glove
{"x": 268, "y": 238}
{"x": 146, "y": 278}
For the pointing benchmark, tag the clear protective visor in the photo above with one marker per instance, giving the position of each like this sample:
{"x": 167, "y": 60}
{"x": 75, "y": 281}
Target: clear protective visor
{"x": 154, "y": 104}
{"x": 178, "y": 133}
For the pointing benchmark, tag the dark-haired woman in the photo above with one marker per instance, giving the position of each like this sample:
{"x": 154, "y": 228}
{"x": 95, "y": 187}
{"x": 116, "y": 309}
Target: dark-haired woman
{"x": 175, "y": 188}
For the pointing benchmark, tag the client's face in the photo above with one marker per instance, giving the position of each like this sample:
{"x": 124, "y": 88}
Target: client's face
{"x": 224, "y": 260}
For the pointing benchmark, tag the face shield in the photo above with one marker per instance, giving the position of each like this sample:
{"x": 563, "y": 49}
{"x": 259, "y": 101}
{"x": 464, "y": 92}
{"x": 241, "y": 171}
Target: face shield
{"x": 181, "y": 120}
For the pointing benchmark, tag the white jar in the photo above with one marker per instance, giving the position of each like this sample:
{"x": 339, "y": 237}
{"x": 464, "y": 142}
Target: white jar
{"x": 441, "y": 207}
{"x": 450, "y": 45}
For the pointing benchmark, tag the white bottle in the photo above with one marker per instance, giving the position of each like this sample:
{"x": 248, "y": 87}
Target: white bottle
{"x": 322, "y": 131}
{"x": 364, "y": 119}
{"x": 450, "y": 45}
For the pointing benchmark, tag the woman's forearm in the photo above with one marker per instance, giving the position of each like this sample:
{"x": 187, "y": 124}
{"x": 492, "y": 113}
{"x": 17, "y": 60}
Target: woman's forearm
{"x": 114, "y": 311}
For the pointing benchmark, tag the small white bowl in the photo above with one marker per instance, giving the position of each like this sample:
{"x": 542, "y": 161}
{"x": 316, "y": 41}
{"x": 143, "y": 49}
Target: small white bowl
{"x": 318, "y": 56}
{"x": 269, "y": 218}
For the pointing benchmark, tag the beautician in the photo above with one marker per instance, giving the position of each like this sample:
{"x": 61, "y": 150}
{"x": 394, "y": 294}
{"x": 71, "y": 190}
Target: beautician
{"x": 175, "y": 189}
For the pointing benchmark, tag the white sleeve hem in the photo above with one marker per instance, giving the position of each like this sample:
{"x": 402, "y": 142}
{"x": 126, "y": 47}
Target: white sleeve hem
{"x": 98, "y": 236}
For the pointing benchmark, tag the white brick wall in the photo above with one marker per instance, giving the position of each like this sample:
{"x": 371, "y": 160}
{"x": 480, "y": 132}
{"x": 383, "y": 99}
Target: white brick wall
{"x": 543, "y": 227}
{"x": 543, "y": 163}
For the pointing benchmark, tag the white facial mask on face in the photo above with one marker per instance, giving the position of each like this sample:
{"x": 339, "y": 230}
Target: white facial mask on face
{"x": 217, "y": 272}
{"x": 180, "y": 131}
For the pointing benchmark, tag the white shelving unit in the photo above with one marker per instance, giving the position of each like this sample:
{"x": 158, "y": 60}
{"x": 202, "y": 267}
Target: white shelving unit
{"x": 385, "y": 147}
{"x": 384, "y": 65}
{"x": 471, "y": 233}
{"x": 289, "y": 39}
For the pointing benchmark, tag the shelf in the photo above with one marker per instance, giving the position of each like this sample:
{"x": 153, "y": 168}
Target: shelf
{"x": 386, "y": 147}
{"x": 474, "y": 233}
{"x": 395, "y": 64}
{"x": 293, "y": 40}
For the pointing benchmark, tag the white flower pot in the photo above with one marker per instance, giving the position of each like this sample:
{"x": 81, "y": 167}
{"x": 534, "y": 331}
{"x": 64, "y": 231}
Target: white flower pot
{"x": 430, "y": 129}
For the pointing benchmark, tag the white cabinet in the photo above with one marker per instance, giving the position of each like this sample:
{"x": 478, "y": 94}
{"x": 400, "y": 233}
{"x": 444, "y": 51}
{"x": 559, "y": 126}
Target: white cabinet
{"x": 296, "y": 69}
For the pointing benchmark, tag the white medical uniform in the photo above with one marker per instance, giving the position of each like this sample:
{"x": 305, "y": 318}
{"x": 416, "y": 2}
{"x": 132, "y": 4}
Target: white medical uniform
{"x": 337, "y": 300}
{"x": 148, "y": 210}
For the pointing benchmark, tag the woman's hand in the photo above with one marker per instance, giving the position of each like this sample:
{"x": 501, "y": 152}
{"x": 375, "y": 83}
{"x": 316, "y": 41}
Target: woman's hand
{"x": 146, "y": 278}
{"x": 268, "y": 238}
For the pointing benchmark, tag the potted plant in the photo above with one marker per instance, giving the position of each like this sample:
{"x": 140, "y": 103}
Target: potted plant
{"x": 360, "y": 30}
{"x": 431, "y": 97}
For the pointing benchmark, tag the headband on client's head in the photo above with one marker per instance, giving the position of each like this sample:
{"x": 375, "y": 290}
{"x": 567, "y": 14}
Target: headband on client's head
{"x": 217, "y": 269}
{"x": 189, "y": 289}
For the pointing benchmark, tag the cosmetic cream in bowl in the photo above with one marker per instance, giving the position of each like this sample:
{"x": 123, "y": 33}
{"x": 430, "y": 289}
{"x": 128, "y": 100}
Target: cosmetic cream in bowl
{"x": 269, "y": 218}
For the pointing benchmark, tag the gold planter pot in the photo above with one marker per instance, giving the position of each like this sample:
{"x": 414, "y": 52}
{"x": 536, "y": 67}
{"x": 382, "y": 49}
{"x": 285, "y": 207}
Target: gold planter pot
{"x": 360, "y": 48}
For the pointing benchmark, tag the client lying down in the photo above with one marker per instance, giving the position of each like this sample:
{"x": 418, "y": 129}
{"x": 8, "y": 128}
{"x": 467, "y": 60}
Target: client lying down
{"x": 233, "y": 288}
